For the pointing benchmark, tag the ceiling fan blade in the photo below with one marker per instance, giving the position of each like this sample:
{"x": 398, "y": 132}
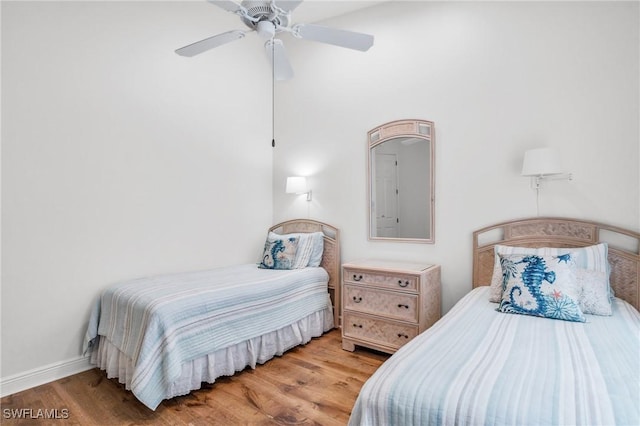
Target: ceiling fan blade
{"x": 288, "y": 5}
{"x": 228, "y": 5}
{"x": 342, "y": 38}
{"x": 209, "y": 43}
{"x": 282, "y": 67}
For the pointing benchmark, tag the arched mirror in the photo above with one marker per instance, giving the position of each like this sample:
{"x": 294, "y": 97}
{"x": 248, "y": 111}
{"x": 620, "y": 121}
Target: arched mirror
{"x": 401, "y": 181}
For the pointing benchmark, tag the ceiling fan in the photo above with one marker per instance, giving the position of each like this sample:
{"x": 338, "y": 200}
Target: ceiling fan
{"x": 269, "y": 18}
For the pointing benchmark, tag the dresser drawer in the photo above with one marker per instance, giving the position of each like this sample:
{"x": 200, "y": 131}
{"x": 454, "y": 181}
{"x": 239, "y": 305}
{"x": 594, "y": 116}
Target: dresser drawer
{"x": 402, "y": 306}
{"x": 379, "y": 279}
{"x": 377, "y": 330}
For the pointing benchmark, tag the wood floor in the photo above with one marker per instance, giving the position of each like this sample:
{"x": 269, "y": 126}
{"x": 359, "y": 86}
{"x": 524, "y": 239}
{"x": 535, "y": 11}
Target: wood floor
{"x": 312, "y": 384}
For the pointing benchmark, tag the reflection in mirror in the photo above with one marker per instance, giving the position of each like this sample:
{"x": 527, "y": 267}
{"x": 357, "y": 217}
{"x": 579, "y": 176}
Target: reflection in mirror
{"x": 401, "y": 175}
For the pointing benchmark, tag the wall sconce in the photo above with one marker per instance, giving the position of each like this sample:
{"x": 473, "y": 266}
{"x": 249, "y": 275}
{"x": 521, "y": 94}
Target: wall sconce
{"x": 298, "y": 185}
{"x": 543, "y": 164}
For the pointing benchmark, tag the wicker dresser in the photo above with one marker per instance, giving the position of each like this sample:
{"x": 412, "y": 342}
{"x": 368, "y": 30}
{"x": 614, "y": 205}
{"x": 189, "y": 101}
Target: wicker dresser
{"x": 385, "y": 304}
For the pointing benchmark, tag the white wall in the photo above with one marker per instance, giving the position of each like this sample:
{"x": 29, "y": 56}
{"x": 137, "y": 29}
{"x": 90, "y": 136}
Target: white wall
{"x": 497, "y": 78}
{"x": 121, "y": 159}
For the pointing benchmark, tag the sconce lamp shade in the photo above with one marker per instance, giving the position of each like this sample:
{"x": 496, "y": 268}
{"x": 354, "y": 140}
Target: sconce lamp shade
{"x": 541, "y": 162}
{"x": 296, "y": 185}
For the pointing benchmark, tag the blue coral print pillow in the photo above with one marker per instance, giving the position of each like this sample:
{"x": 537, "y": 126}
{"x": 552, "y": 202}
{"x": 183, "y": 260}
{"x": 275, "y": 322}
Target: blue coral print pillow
{"x": 543, "y": 286}
{"x": 279, "y": 253}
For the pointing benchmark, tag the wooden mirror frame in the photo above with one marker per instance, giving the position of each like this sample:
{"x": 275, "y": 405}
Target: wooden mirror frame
{"x": 421, "y": 129}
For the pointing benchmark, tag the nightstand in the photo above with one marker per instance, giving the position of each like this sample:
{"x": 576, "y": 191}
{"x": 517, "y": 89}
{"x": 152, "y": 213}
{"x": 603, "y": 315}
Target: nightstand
{"x": 385, "y": 304}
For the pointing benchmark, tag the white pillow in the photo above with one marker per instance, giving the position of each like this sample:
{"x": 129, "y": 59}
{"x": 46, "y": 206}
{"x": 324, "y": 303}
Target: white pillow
{"x": 594, "y": 298}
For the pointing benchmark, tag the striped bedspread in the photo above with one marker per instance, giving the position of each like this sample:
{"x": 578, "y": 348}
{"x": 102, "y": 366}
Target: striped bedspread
{"x": 477, "y": 366}
{"x": 161, "y": 322}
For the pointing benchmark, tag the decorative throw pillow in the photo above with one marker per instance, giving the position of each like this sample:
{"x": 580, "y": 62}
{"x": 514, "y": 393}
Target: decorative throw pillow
{"x": 310, "y": 248}
{"x": 279, "y": 253}
{"x": 592, "y": 271}
{"x": 543, "y": 286}
{"x": 495, "y": 291}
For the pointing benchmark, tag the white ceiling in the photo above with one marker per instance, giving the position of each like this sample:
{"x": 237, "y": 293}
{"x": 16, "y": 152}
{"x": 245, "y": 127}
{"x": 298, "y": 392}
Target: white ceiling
{"x": 318, "y": 10}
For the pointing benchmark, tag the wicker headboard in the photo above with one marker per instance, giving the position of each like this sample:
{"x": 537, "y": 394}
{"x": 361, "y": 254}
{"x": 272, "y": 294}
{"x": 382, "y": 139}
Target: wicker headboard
{"x": 624, "y": 248}
{"x": 330, "y": 256}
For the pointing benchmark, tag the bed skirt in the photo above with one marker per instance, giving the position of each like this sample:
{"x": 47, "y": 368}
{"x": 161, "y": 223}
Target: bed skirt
{"x": 224, "y": 362}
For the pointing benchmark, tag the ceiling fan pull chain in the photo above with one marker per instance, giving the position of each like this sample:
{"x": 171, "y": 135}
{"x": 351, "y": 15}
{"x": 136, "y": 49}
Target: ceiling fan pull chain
{"x": 273, "y": 93}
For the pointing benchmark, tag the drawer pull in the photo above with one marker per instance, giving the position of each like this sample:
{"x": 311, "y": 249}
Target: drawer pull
{"x": 403, "y": 335}
{"x": 357, "y": 277}
{"x": 403, "y": 284}
{"x": 357, "y": 325}
{"x": 357, "y": 299}
{"x": 400, "y": 305}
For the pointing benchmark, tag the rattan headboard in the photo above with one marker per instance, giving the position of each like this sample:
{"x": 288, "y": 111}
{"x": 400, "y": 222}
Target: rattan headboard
{"x": 624, "y": 248}
{"x": 330, "y": 256}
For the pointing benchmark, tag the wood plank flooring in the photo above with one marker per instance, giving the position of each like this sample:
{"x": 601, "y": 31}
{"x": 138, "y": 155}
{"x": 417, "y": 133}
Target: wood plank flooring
{"x": 315, "y": 384}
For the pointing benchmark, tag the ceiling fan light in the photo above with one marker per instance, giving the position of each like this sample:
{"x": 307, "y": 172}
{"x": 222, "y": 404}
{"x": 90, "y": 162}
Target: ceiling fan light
{"x": 281, "y": 67}
{"x": 265, "y": 29}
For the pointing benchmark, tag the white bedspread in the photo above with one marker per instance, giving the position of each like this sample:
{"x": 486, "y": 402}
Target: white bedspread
{"x": 477, "y": 366}
{"x": 162, "y": 322}
{"x": 223, "y": 362}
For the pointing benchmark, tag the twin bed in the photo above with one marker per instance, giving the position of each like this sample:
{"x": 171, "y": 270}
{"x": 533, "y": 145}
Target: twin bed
{"x": 479, "y": 366}
{"x": 163, "y": 336}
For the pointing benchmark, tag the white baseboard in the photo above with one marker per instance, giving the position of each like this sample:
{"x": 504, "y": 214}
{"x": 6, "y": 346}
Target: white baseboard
{"x": 40, "y": 376}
